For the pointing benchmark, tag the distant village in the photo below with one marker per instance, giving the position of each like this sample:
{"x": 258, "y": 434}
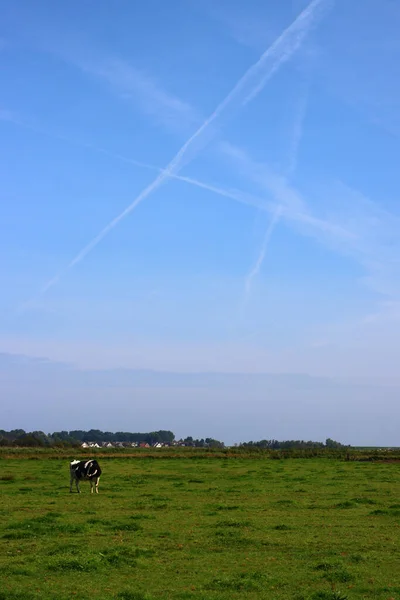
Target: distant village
{"x": 135, "y": 444}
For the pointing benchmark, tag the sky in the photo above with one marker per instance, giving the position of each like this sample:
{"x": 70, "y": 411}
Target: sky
{"x": 205, "y": 192}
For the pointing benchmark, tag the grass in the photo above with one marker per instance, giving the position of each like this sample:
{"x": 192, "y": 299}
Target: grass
{"x": 205, "y": 529}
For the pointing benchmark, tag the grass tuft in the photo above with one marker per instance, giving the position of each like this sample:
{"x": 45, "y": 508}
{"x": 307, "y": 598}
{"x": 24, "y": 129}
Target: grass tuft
{"x": 338, "y": 576}
{"x": 239, "y": 583}
{"x": 128, "y": 595}
{"x": 329, "y": 596}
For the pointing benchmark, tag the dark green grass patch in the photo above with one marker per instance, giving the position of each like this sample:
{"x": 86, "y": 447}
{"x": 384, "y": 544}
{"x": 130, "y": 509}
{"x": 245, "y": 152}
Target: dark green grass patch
{"x": 44, "y": 525}
{"x": 127, "y": 526}
{"x": 379, "y": 511}
{"x": 363, "y": 500}
{"x": 338, "y": 575}
{"x": 282, "y": 527}
{"x": 329, "y": 596}
{"x": 252, "y": 581}
{"x": 233, "y": 523}
{"x": 7, "y": 478}
{"x": 346, "y": 504}
{"x": 4, "y": 595}
{"x": 128, "y": 595}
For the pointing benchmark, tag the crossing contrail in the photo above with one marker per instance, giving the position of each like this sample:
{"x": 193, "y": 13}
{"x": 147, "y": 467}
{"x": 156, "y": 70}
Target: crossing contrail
{"x": 250, "y": 84}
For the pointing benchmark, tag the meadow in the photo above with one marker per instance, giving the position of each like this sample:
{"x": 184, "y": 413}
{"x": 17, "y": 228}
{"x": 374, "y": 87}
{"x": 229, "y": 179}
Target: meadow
{"x": 200, "y": 529}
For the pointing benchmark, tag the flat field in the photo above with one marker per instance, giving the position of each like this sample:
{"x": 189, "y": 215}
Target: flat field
{"x": 188, "y": 528}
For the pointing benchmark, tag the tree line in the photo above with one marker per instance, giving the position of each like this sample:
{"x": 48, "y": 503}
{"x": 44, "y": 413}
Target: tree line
{"x": 292, "y": 444}
{"x": 19, "y": 437}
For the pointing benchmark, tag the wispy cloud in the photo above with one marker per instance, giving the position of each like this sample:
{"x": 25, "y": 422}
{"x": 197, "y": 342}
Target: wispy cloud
{"x": 258, "y": 264}
{"x": 9, "y": 116}
{"x": 337, "y": 216}
{"x": 135, "y": 85}
{"x": 250, "y": 84}
{"x": 251, "y": 30}
{"x": 376, "y": 244}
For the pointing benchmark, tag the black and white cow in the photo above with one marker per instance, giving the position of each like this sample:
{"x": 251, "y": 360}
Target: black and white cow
{"x": 81, "y": 470}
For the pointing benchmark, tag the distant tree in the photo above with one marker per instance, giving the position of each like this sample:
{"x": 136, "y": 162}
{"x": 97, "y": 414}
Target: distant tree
{"x": 166, "y": 436}
{"x": 29, "y": 439}
{"x": 332, "y": 444}
{"x": 63, "y": 438}
{"x": 211, "y": 443}
{"x": 78, "y": 434}
{"x": 61, "y": 435}
{"x": 283, "y": 445}
{"x": 12, "y": 435}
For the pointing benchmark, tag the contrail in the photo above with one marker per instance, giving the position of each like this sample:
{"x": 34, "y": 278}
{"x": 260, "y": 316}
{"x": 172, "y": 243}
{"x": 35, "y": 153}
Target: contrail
{"x": 255, "y": 77}
{"x": 285, "y": 47}
{"x": 297, "y": 134}
{"x": 278, "y": 53}
{"x": 254, "y": 271}
{"x": 292, "y": 164}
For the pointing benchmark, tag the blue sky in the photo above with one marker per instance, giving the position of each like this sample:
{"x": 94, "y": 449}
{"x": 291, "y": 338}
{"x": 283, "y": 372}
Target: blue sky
{"x": 201, "y": 187}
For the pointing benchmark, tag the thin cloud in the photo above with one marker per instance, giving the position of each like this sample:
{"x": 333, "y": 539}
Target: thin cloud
{"x": 297, "y": 134}
{"x": 346, "y": 222}
{"x": 9, "y": 116}
{"x": 251, "y": 30}
{"x": 136, "y": 86}
{"x": 246, "y": 88}
{"x": 277, "y": 187}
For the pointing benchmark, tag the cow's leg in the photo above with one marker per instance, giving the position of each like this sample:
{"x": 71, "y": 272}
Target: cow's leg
{"x": 77, "y": 485}
{"x": 97, "y": 484}
{"x": 70, "y": 483}
{"x": 91, "y": 485}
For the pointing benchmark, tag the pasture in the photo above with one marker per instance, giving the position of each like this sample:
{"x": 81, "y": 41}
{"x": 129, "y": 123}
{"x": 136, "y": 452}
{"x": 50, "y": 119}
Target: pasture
{"x": 201, "y": 529}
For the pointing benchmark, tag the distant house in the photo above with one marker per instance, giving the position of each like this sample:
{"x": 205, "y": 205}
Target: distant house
{"x": 94, "y": 445}
{"x": 84, "y": 445}
{"x": 158, "y": 445}
{"x": 144, "y": 445}
{"x": 134, "y": 444}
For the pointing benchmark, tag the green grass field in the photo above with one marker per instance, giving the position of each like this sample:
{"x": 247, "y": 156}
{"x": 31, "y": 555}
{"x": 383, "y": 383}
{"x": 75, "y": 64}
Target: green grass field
{"x": 201, "y": 529}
